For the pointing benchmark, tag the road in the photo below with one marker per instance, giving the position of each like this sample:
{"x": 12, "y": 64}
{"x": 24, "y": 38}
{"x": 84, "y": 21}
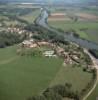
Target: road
{"x": 95, "y": 65}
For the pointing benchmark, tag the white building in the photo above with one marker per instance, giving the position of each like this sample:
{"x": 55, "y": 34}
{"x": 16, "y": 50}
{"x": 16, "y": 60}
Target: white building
{"x": 49, "y": 53}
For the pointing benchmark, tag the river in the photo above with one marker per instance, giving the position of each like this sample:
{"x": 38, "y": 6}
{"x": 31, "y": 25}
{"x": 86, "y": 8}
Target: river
{"x": 42, "y": 21}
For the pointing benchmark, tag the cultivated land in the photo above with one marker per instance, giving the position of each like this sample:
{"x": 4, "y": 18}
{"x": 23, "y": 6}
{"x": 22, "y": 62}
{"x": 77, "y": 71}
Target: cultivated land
{"x": 12, "y": 14}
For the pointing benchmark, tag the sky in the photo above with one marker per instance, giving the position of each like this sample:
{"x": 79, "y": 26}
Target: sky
{"x": 63, "y": 1}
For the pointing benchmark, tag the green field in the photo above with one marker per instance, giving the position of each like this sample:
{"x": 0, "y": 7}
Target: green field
{"x": 22, "y": 77}
{"x": 73, "y": 25}
{"x": 73, "y": 75}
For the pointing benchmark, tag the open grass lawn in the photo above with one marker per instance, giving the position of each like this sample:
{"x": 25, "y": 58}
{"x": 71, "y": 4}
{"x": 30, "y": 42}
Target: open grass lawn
{"x": 73, "y": 75}
{"x": 94, "y": 95}
{"x": 21, "y": 77}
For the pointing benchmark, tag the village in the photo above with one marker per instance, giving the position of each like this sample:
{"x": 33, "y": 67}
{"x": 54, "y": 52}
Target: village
{"x": 53, "y": 50}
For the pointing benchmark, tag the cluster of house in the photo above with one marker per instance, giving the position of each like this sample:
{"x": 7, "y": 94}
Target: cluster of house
{"x": 31, "y": 43}
{"x": 19, "y": 31}
{"x": 16, "y": 30}
{"x": 69, "y": 58}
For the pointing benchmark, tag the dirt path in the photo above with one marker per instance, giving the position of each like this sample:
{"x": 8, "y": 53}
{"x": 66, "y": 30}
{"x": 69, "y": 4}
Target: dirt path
{"x": 95, "y": 62}
{"x": 8, "y": 60}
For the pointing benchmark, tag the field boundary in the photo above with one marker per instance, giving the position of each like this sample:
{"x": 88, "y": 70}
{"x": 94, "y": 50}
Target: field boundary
{"x": 8, "y": 60}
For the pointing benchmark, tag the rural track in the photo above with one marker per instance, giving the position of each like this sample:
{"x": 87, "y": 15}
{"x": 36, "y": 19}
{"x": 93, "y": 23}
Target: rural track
{"x": 8, "y": 60}
{"x": 95, "y": 62}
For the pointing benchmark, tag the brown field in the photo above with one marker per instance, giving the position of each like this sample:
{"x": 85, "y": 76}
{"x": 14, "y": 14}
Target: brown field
{"x": 87, "y": 16}
{"x": 58, "y": 17}
{"x": 58, "y": 14}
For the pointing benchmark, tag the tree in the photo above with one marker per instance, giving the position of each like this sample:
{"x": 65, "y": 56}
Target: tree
{"x": 50, "y": 94}
{"x": 37, "y": 98}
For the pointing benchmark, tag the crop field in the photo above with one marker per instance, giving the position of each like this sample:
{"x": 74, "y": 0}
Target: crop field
{"x": 87, "y": 16}
{"x": 58, "y": 17}
{"x": 10, "y": 14}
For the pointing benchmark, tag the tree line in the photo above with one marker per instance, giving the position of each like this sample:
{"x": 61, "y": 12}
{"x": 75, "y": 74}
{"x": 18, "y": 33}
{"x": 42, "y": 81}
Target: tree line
{"x": 57, "y": 92}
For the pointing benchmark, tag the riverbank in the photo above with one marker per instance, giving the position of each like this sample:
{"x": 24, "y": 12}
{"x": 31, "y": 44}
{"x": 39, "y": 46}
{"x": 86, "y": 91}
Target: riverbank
{"x": 42, "y": 21}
